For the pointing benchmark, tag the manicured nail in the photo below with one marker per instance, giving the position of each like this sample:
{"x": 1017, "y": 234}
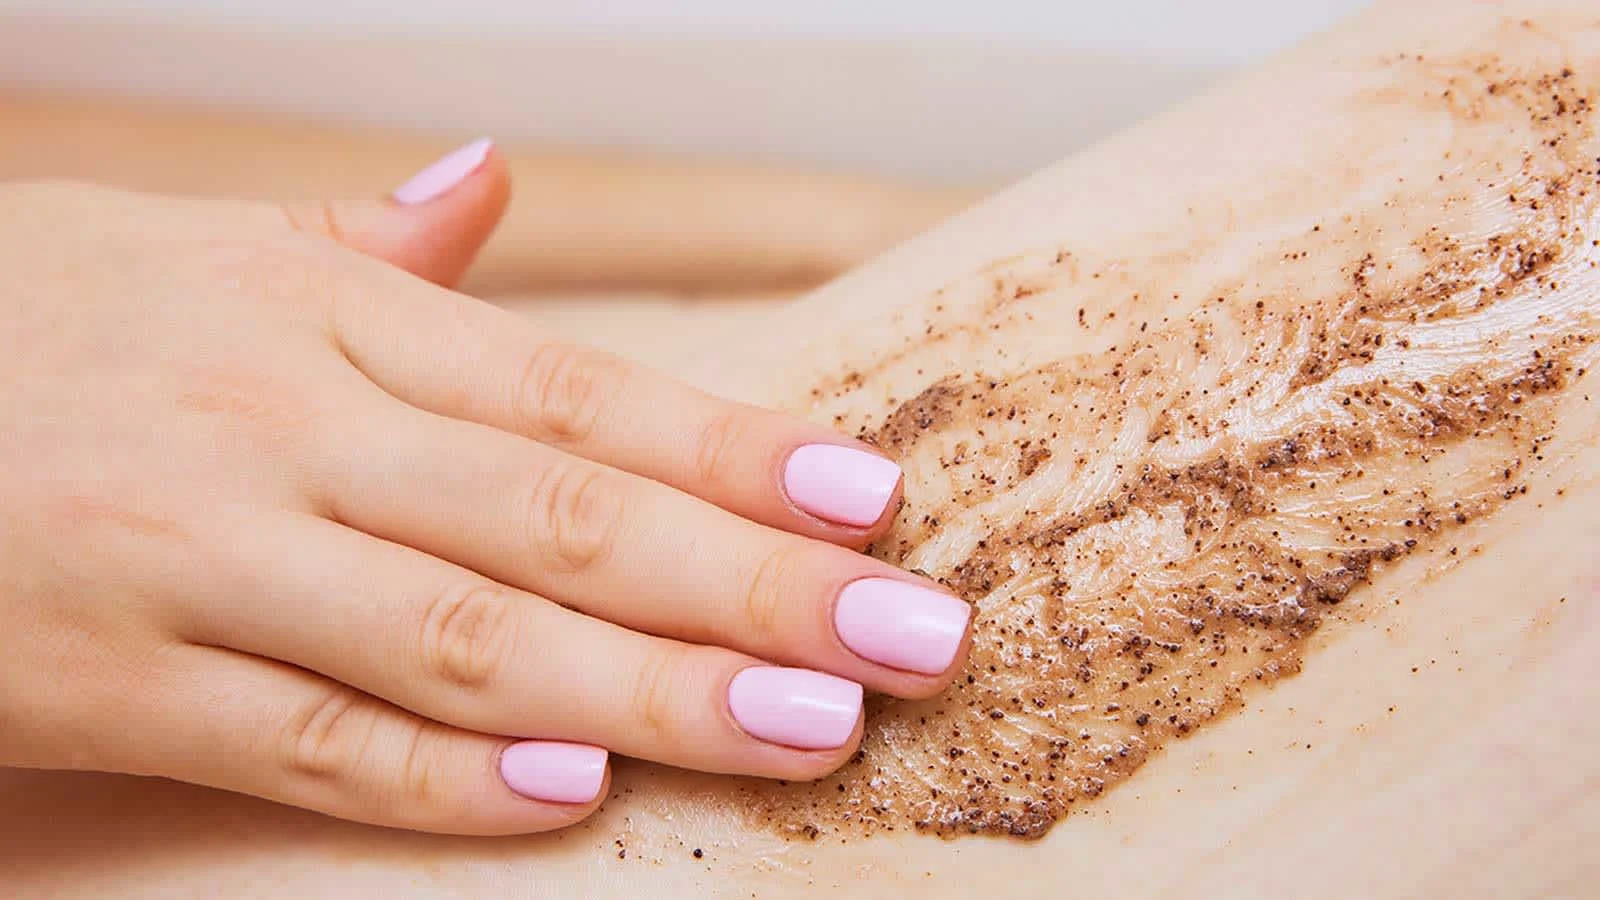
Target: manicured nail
{"x": 445, "y": 173}
{"x": 840, "y": 484}
{"x": 900, "y": 625}
{"x": 795, "y": 707}
{"x": 554, "y": 771}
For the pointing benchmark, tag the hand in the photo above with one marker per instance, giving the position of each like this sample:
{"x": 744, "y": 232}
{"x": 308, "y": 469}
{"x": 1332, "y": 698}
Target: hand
{"x": 284, "y": 518}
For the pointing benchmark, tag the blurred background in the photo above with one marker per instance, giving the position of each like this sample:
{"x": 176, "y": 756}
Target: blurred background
{"x": 947, "y": 89}
{"x": 662, "y": 149}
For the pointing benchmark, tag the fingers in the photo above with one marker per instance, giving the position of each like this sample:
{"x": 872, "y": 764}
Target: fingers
{"x": 228, "y": 720}
{"x": 453, "y": 646}
{"x": 465, "y": 359}
{"x": 431, "y": 226}
{"x": 634, "y": 552}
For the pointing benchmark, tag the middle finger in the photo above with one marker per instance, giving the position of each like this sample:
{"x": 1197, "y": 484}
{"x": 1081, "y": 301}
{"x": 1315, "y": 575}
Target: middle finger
{"x": 640, "y": 554}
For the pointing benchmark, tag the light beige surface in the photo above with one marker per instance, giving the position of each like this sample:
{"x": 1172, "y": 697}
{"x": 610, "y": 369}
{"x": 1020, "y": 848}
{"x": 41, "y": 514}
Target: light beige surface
{"x": 1438, "y": 745}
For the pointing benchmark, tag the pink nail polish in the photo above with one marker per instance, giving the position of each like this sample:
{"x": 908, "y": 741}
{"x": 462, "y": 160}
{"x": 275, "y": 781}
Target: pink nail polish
{"x": 445, "y": 173}
{"x": 840, "y": 484}
{"x": 795, "y": 707}
{"x": 554, "y": 771}
{"x": 901, "y": 625}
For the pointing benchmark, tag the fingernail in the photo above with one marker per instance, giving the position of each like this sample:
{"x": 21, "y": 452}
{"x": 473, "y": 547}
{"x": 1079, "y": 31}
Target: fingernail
{"x": 445, "y": 173}
{"x": 795, "y": 707}
{"x": 901, "y": 625}
{"x": 840, "y": 484}
{"x": 554, "y": 771}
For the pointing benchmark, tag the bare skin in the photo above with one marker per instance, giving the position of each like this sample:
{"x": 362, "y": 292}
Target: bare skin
{"x": 1395, "y": 178}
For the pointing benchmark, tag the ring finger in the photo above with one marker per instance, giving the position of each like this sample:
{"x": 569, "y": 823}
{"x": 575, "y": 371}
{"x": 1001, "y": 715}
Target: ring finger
{"x": 455, "y": 647}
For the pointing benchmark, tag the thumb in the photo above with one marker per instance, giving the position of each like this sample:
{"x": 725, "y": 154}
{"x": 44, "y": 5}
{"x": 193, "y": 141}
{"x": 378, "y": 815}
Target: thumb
{"x": 435, "y": 223}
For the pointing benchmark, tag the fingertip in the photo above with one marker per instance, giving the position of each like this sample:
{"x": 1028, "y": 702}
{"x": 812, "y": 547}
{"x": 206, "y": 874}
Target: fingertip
{"x": 487, "y": 191}
{"x": 822, "y": 763}
{"x": 435, "y": 223}
{"x": 847, "y": 494}
{"x": 786, "y": 763}
{"x": 445, "y": 175}
{"x": 912, "y": 686}
{"x": 891, "y": 511}
{"x": 554, "y": 816}
{"x": 796, "y": 724}
{"x": 557, "y": 772}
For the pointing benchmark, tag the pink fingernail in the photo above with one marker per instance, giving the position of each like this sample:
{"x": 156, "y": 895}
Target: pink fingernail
{"x": 901, "y": 625}
{"x": 554, "y": 771}
{"x": 795, "y": 707}
{"x": 840, "y": 484}
{"x": 445, "y": 173}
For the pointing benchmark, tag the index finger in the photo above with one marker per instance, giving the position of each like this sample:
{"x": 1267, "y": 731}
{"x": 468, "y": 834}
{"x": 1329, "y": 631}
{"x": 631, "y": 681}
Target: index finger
{"x": 467, "y": 359}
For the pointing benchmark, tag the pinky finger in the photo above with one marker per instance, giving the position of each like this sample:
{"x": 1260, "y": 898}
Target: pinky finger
{"x": 242, "y": 723}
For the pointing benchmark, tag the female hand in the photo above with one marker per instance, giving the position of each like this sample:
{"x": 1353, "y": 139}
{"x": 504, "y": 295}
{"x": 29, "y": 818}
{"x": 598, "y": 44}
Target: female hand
{"x": 283, "y": 518}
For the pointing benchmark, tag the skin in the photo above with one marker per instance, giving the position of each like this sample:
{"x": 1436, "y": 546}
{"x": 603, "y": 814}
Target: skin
{"x": 357, "y": 531}
{"x": 1434, "y": 744}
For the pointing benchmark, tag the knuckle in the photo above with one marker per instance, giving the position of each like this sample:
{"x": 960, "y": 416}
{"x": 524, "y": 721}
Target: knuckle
{"x": 769, "y": 591}
{"x": 330, "y": 737}
{"x": 654, "y": 704}
{"x": 427, "y": 793}
{"x": 398, "y": 771}
{"x": 274, "y": 268}
{"x": 719, "y": 442}
{"x": 313, "y": 218}
{"x": 287, "y": 274}
{"x": 466, "y": 633}
{"x": 575, "y": 513}
{"x": 273, "y": 412}
{"x": 563, "y": 390}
